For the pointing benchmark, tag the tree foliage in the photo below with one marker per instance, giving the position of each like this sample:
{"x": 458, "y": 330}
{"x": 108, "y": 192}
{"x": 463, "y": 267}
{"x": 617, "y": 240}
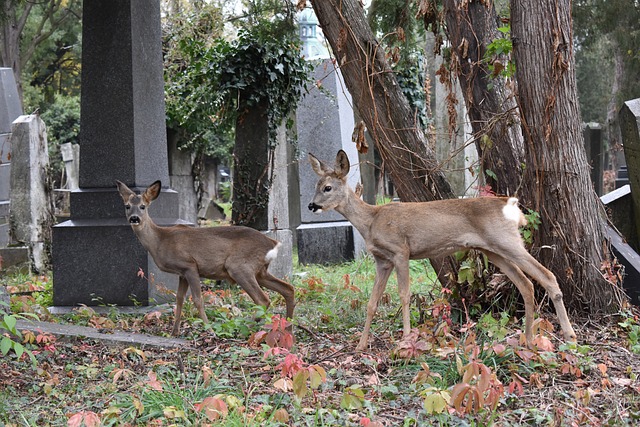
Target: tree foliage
{"x": 206, "y": 75}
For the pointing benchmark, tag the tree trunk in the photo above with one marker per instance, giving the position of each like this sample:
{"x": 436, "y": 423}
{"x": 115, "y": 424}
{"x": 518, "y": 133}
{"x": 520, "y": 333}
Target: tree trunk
{"x": 490, "y": 101}
{"x": 252, "y": 157}
{"x": 613, "y": 124}
{"x": 383, "y": 107}
{"x": 556, "y": 182}
{"x": 10, "y": 34}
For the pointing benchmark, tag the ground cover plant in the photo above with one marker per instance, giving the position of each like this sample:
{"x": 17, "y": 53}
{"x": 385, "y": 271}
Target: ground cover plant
{"x": 460, "y": 366}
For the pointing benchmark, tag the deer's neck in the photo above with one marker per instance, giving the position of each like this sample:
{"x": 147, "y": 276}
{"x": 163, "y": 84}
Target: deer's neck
{"x": 149, "y": 235}
{"x": 359, "y": 213}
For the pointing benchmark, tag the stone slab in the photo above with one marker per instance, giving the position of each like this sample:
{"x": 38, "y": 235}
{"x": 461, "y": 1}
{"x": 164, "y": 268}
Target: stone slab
{"x": 14, "y": 256}
{"x": 620, "y": 211}
{"x": 325, "y": 243}
{"x": 5, "y": 179}
{"x": 119, "y": 337}
{"x": 10, "y": 106}
{"x": 630, "y": 132}
{"x": 631, "y": 261}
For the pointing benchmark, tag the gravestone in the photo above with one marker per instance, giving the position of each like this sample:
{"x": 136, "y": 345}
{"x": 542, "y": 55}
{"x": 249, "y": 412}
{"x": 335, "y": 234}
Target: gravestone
{"x": 31, "y": 207}
{"x": 455, "y": 150}
{"x": 630, "y": 132}
{"x": 96, "y": 256}
{"x": 325, "y": 123}
{"x": 10, "y": 109}
{"x": 623, "y": 238}
{"x": 278, "y": 209}
{"x": 593, "y": 145}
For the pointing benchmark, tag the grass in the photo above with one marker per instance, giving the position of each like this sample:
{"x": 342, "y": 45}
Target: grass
{"x": 455, "y": 369}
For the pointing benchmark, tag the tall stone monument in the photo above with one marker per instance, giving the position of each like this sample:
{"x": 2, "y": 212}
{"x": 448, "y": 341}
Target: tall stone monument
{"x": 96, "y": 256}
{"x": 10, "y": 109}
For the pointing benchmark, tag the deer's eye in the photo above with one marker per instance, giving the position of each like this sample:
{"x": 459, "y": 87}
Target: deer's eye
{"x": 327, "y": 188}
{"x": 127, "y": 207}
{"x": 143, "y": 207}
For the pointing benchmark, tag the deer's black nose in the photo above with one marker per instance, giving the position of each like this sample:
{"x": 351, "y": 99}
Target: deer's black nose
{"x": 314, "y": 208}
{"x": 134, "y": 219}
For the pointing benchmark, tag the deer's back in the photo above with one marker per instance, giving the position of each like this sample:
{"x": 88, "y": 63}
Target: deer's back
{"x": 431, "y": 229}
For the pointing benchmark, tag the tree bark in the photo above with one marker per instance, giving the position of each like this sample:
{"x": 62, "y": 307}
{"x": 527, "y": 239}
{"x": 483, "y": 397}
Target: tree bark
{"x": 556, "y": 177}
{"x": 490, "y": 101}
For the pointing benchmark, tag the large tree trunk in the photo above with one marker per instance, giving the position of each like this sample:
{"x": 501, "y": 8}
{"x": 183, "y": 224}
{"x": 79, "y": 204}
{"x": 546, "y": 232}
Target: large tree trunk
{"x": 490, "y": 101}
{"x": 557, "y": 182}
{"x": 383, "y": 107}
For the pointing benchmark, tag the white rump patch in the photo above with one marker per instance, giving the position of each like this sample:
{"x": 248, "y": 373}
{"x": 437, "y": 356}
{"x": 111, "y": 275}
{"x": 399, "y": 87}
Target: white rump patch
{"x": 272, "y": 254}
{"x": 511, "y": 211}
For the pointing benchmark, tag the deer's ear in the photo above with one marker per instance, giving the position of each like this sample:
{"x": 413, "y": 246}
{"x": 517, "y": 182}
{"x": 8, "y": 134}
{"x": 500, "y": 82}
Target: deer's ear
{"x": 342, "y": 164}
{"x": 125, "y": 192}
{"x": 152, "y": 192}
{"x": 319, "y": 167}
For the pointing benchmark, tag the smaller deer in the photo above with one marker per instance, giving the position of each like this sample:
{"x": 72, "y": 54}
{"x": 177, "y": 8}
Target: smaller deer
{"x": 233, "y": 253}
{"x": 397, "y": 232}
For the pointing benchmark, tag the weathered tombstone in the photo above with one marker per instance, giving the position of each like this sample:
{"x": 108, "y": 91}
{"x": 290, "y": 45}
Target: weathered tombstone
{"x": 71, "y": 158}
{"x": 96, "y": 256}
{"x": 593, "y": 145}
{"x": 10, "y": 109}
{"x": 325, "y": 123}
{"x": 31, "y": 207}
{"x": 454, "y": 142}
{"x": 630, "y": 131}
{"x": 181, "y": 179}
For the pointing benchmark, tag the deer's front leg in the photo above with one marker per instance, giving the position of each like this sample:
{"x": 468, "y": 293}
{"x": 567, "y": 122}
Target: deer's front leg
{"x": 196, "y": 293}
{"x": 404, "y": 290}
{"x": 383, "y": 271}
{"x": 183, "y": 285}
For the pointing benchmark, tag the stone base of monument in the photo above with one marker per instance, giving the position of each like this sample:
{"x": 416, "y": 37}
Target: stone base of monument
{"x": 328, "y": 243}
{"x": 99, "y": 260}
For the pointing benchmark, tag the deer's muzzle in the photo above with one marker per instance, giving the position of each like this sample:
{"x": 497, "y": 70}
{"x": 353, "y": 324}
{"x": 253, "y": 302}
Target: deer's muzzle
{"x": 134, "y": 220}
{"x": 314, "y": 208}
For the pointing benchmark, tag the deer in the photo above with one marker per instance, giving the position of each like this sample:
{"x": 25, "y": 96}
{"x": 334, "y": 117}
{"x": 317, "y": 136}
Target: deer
{"x": 397, "y": 232}
{"x": 233, "y": 253}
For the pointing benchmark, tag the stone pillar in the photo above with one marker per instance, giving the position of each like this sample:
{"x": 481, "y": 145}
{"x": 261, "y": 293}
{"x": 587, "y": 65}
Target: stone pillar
{"x": 31, "y": 208}
{"x": 593, "y": 145}
{"x": 630, "y": 131}
{"x": 454, "y": 149}
{"x": 278, "y": 209}
{"x": 325, "y": 123}
{"x": 10, "y": 109}
{"x": 96, "y": 256}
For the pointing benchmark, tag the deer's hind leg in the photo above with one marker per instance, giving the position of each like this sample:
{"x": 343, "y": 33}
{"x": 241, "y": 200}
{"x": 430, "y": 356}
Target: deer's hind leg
{"x": 548, "y": 281}
{"x": 525, "y": 287}
{"x": 246, "y": 279}
{"x": 267, "y": 280}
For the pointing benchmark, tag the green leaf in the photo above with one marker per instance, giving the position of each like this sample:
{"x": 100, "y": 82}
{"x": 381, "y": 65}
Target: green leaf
{"x": 10, "y": 321}
{"x": 352, "y": 398}
{"x": 5, "y": 345}
{"x": 436, "y": 403}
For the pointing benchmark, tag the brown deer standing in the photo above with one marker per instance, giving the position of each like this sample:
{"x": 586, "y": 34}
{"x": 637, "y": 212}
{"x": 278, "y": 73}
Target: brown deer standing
{"x": 397, "y": 232}
{"x": 233, "y": 253}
